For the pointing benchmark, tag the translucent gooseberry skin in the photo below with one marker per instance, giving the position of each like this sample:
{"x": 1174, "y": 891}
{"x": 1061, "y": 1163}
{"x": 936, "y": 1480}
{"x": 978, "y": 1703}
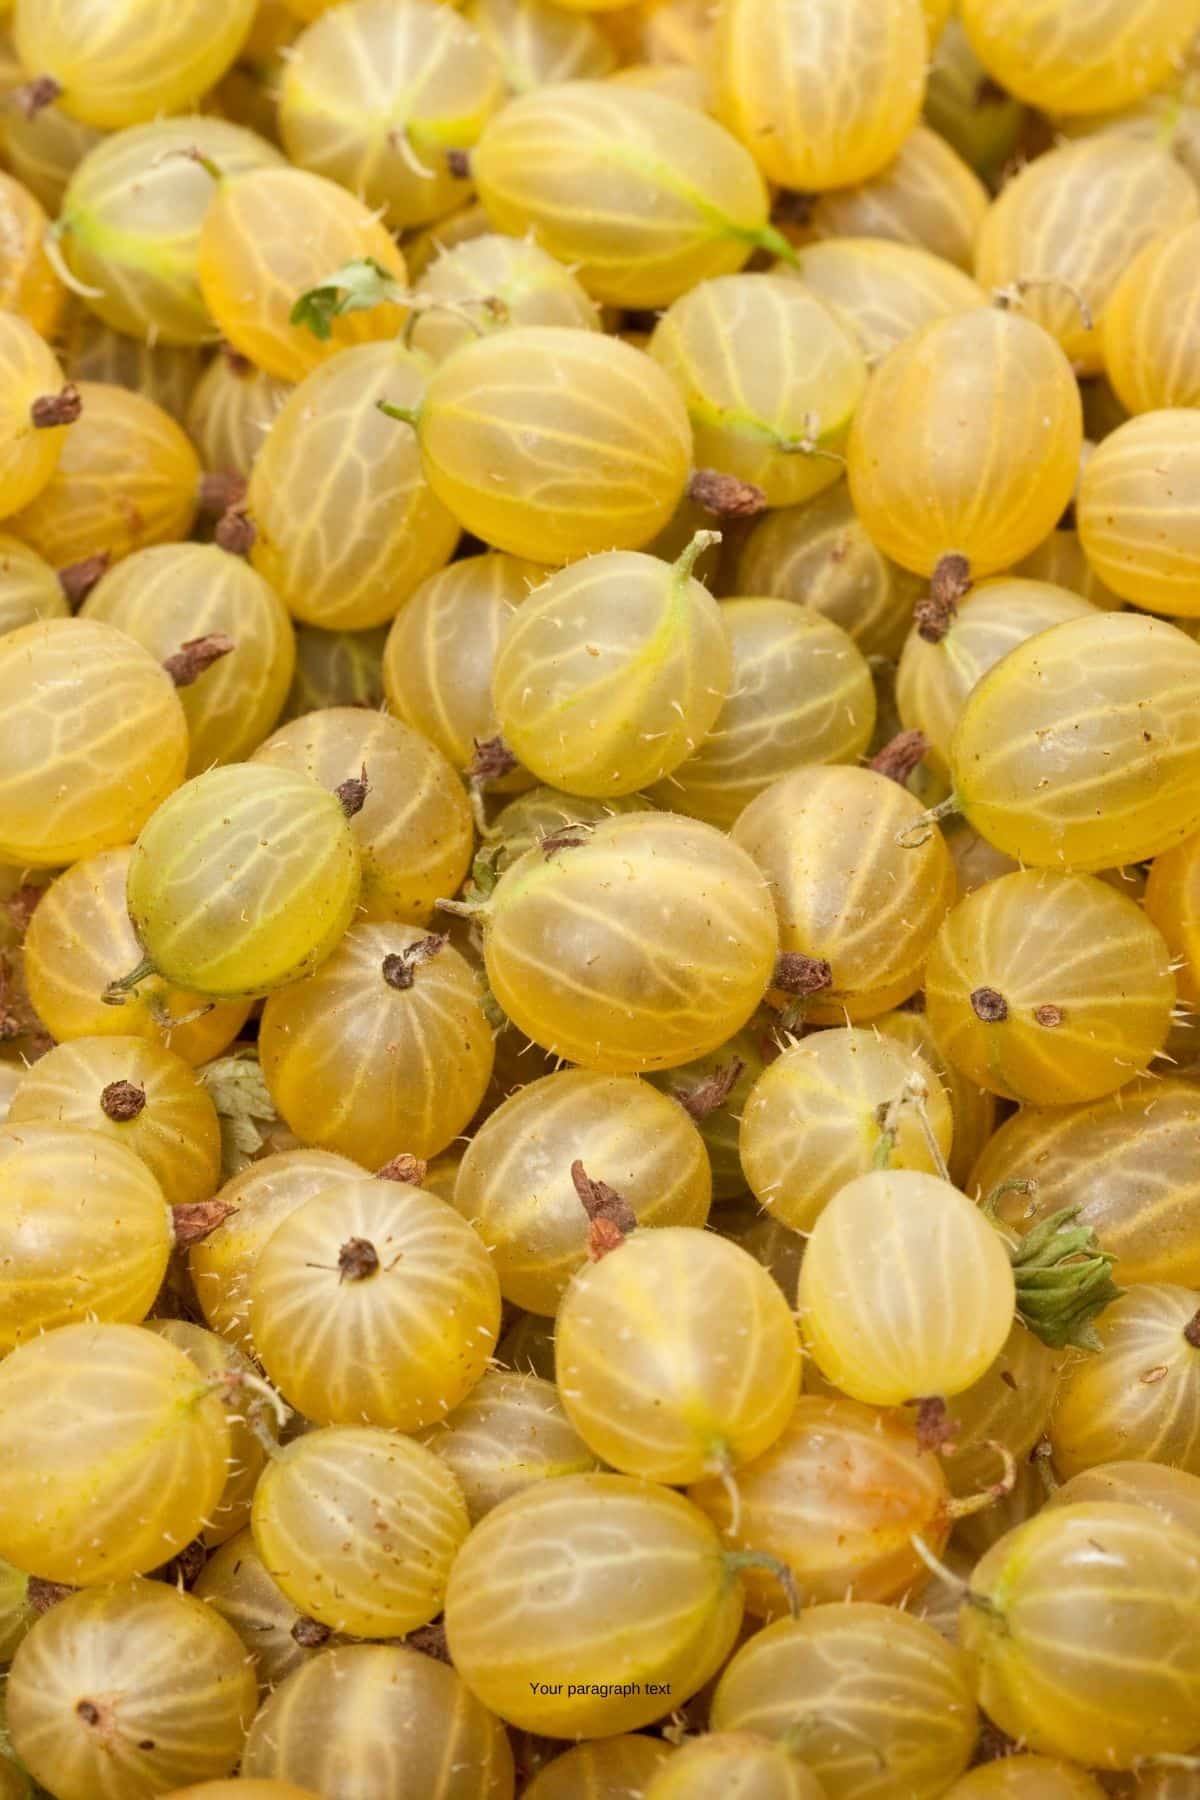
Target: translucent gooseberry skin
{"x": 536, "y": 43}
{"x": 230, "y": 411}
{"x": 770, "y": 377}
{"x": 1172, "y": 901}
{"x": 359, "y": 1527}
{"x": 441, "y": 650}
{"x": 972, "y": 1108}
{"x": 87, "y": 1232}
{"x": 28, "y": 285}
{"x": 854, "y": 72}
{"x": 906, "y": 1289}
{"x": 1135, "y": 511}
{"x": 262, "y": 1195}
{"x": 718, "y": 1126}
{"x": 371, "y": 1057}
{"x": 219, "y": 1361}
{"x": 171, "y": 594}
{"x": 168, "y": 1679}
{"x": 845, "y": 891}
{"x": 43, "y": 151}
{"x": 983, "y": 123}
{"x": 496, "y": 282}
{"x": 509, "y": 1432}
{"x": 1054, "y": 1588}
{"x": 1152, "y": 327}
{"x": 374, "y": 96}
{"x": 641, "y": 196}
{"x": 414, "y": 829}
{"x": 80, "y": 939}
{"x": 553, "y": 443}
{"x": 967, "y": 395}
{"x": 518, "y": 1584}
{"x": 705, "y": 1769}
{"x": 1138, "y": 1397}
{"x": 884, "y": 290}
{"x": 117, "y": 69}
{"x": 837, "y": 1498}
{"x": 541, "y": 812}
{"x": 1171, "y": 1492}
{"x": 175, "y": 1133}
{"x": 1026, "y": 1778}
{"x": 1038, "y": 231}
{"x": 612, "y": 673}
{"x": 591, "y": 1771}
{"x": 646, "y": 946}
{"x": 130, "y": 222}
{"x": 926, "y": 196}
{"x": 1060, "y": 559}
{"x": 85, "y": 776}
{"x": 374, "y": 1721}
{"x": 1072, "y": 57}
{"x": 815, "y": 1118}
{"x": 234, "y": 1582}
{"x": 127, "y": 477}
{"x": 514, "y": 1183}
{"x": 1084, "y": 983}
{"x": 886, "y": 1703}
{"x": 676, "y": 1354}
{"x": 820, "y": 556}
{"x": 270, "y": 235}
{"x": 370, "y": 529}
{"x": 1124, "y": 1161}
{"x": 240, "y": 1787}
{"x": 400, "y": 1347}
{"x": 336, "y": 668}
{"x": 164, "y": 373}
{"x": 28, "y": 455}
{"x": 30, "y": 590}
{"x": 94, "y": 1505}
{"x": 934, "y": 679}
{"x": 1081, "y": 749}
{"x": 245, "y": 881}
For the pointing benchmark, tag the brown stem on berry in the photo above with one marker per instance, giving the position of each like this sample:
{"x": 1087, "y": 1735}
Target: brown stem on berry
{"x": 121, "y": 1101}
{"x": 353, "y": 793}
{"x": 182, "y": 1568}
{"x": 988, "y": 1496}
{"x": 62, "y": 408}
{"x": 725, "y": 496}
{"x": 219, "y": 489}
{"x": 610, "y": 1216}
{"x": 793, "y": 207}
{"x": 35, "y": 96}
{"x": 491, "y": 761}
{"x": 410, "y": 1169}
{"x": 237, "y": 364}
{"x": 236, "y": 532}
{"x": 936, "y": 1430}
{"x": 802, "y": 975}
{"x": 1191, "y": 1331}
{"x": 310, "y": 1634}
{"x": 42, "y": 1595}
{"x": 79, "y": 578}
{"x": 197, "y": 1219}
{"x": 710, "y": 1095}
{"x": 358, "y": 1259}
{"x": 989, "y": 1006}
{"x": 951, "y": 582}
{"x": 458, "y": 162}
{"x": 195, "y": 656}
{"x": 430, "y": 1640}
{"x": 1049, "y": 1016}
{"x": 567, "y": 837}
{"x": 399, "y": 968}
{"x": 88, "y": 1711}
{"x": 900, "y": 756}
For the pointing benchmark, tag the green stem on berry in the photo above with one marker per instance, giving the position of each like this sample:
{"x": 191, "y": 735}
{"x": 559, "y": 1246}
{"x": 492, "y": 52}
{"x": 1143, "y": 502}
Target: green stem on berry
{"x": 922, "y": 829}
{"x": 686, "y": 561}
{"x": 116, "y": 991}
{"x": 762, "y": 1559}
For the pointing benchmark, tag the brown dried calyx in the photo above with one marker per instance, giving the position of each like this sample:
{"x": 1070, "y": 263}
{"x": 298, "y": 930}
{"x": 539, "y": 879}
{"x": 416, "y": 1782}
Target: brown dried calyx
{"x": 399, "y": 968}
{"x": 121, "y": 1101}
{"x": 802, "y": 975}
{"x": 951, "y": 583}
{"x": 611, "y": 1218}
{"x": 353, "y": 793}
{"x": 793, "y": 207}
{"x": 79, "y": 578}
{"x": 710, "y": 1095}
{"x": 197, "y": 1219}
{"x": 900, "y": 757}
{"x": 310, "y": 1634}
{"x": 235, "y": 531}
{"x": 725, "y": 496}
{"x": 989, "y": 1006}
{"x": 220, "y": 489}
{"x": 410, "y": 1169}
{"x": 936, "y": 1430}
{"x": 1048, "y": 1015}
{"x": 358, "y": 1260}
{"x": 567, "y": 837}
{"x": 492, "y": 760}
{"x": 62, "y": 408}
{"x": 1191, "y": 1331}
{"x": 458, "y": 162}
{"x": 42, "y": 1595}
{"x": 36, "y": 95}
{"x": 195, "y": 656}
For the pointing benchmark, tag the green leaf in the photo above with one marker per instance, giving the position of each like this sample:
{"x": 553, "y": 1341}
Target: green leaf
{"x": 239, "y": 1093}
{"x": 1063, "y": 1281}
{"x": 355, "y": 287}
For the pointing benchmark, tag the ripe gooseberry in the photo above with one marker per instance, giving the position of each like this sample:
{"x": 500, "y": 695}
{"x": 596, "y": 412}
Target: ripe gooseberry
{"x": 972, "y": 1108}
{"x": 1172, "y": 1492}
{"x": 714, "y": 1766}
{"x": 884, "y": 290}
{"x": 1022, "y": 1777}
{"x": 509, "y": 1432}
{"x": 276, "y": 1636}
{"x": 1139, "y": 1395}
{"x": 230, "y": 410}
{"x": 336, "y": 668}
{"x": 1075, "y": 56}
{"x": 223, "y": 1365}
{"x": 374, "y": 1302}
{"x": 492, "y": 282}
{"x": 1152, "y": 328}
{"x": 536, "y": 43}
{"x": 1135, "y": 511}
{"x": 594, "y": 1769}
{"x": 28, "y": 284}
{"x": 243, "y": 882}
{"x": 36, "y": 414}
{"x": 29, "y": 588}
{"x": 926, "y": 196}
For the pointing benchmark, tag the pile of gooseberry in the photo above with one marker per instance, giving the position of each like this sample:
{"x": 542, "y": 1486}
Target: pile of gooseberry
{"x": 599, "y": 899}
